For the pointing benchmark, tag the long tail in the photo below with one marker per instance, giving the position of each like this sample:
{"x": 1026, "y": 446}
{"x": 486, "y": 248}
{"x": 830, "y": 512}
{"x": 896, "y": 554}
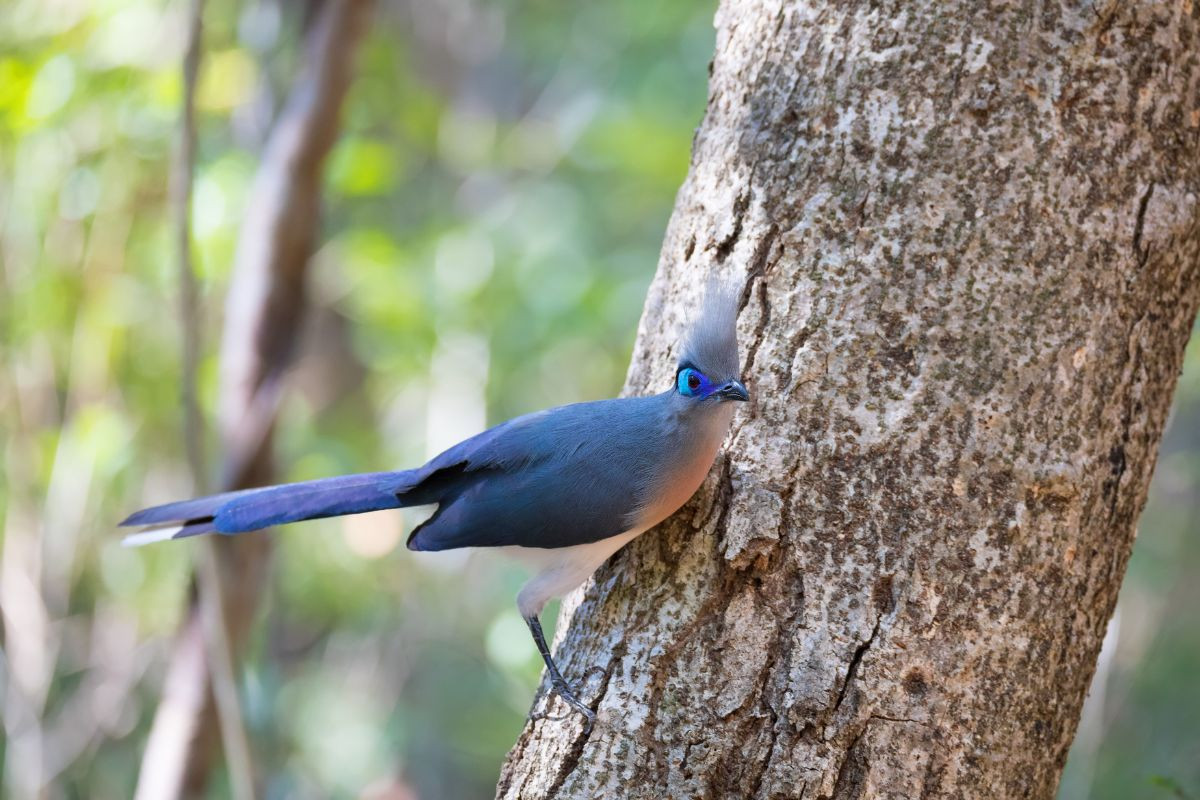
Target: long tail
{"x": 252, "y": 509}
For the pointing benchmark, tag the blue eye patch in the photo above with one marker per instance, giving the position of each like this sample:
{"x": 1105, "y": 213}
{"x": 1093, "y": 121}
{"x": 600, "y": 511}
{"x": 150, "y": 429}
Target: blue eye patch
{"x": 691, "y": 382}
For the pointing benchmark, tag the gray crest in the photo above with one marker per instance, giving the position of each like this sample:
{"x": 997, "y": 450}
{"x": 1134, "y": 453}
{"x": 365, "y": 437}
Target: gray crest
{"x": 711, "y": 342}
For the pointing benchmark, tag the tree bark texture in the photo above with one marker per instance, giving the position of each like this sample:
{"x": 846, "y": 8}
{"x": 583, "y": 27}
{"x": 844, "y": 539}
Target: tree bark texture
{"x": 264, "y": 315}
{"x": 969, "y": 239}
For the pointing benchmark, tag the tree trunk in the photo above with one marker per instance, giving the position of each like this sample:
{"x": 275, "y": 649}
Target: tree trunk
{"x": 971, "y": 239}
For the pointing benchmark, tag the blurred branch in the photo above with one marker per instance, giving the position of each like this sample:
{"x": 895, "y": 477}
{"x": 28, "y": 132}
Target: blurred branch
{"x": 264, "y": 311}
{"x": 223, "y": 677}
{"x": 181, "y": 202}
{"x": 220, "y": 656}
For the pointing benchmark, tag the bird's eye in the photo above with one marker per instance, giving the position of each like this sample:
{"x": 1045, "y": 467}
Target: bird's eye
{"x": 690, "y": 382}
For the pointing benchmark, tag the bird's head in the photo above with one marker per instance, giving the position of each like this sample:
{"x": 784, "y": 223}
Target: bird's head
{"x": 708, "y": 369}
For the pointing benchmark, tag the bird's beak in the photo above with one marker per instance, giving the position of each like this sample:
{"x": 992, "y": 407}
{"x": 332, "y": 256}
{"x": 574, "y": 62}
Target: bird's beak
{"x": 734, "y": 390}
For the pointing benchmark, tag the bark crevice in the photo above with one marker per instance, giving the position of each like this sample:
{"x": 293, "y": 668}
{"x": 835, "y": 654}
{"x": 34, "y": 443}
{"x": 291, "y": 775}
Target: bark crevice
{"x": 1139, "y": 224}
{"x": 852, "y": 667}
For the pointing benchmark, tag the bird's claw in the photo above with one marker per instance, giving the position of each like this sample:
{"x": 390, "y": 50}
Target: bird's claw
{"x": 574, "y": 702}
{"x": 589, "y": 716}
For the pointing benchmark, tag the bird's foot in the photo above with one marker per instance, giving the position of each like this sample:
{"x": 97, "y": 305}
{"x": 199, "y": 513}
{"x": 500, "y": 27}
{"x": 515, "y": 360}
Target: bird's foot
{"x": 568, "y": 697}
{"x": 557, "y": 681}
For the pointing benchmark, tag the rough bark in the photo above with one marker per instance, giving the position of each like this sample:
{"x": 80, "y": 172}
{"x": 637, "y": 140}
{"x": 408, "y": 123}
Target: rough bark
{"x": 971, "y": 239}
{"x": 264, "y": 313}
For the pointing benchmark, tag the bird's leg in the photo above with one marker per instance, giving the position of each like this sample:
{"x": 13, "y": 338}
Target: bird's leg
{"x": 556, "y": 679}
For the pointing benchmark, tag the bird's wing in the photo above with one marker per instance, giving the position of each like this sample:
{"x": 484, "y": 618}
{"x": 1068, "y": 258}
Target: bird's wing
{"x": 566, "y": 476}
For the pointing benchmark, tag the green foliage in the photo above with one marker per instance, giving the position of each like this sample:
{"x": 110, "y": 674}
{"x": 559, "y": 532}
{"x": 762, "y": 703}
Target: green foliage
{"x": 493, "y": 214}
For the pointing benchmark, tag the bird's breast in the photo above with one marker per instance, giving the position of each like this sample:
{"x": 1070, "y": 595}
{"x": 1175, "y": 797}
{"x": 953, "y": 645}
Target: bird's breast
{"x": 686, "y": 467}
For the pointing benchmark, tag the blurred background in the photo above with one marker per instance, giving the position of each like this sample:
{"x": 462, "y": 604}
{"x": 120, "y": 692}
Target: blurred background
{"x": 493, "y": 211}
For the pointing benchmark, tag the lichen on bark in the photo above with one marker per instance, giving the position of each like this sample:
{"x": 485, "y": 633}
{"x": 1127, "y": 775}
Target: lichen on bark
{"x": 970, "y": 240}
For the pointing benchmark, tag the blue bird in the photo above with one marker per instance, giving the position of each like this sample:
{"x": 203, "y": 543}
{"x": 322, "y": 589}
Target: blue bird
{"x": 561, "y": 489}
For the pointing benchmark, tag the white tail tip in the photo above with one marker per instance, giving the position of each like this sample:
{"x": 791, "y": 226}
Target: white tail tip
{"x": 150, "y": 536}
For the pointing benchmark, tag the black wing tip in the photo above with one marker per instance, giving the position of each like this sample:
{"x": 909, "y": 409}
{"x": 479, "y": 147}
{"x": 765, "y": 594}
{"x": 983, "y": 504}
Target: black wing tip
{"x": 196, "y": 527}
{"x": 419, "y": 543}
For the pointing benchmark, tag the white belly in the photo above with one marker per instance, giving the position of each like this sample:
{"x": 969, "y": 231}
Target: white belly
{"x": 560, "y": 569}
